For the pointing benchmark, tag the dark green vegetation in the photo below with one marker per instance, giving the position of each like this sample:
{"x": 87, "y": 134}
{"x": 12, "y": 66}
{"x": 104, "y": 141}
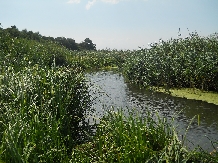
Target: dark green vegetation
{"x": 129, "y": 138}
{"x": 44, "y": 100}
{"x": 69, "y": 43}
{"x": 41, "y": 112}
{"x": 191, "y": 63}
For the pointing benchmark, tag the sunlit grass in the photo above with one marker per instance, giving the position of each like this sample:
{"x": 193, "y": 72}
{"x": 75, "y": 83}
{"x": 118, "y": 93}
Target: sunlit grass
{"x": 131, "y": 138}
{"x": 42, "y": 114}
{"x": 177, "y": 63}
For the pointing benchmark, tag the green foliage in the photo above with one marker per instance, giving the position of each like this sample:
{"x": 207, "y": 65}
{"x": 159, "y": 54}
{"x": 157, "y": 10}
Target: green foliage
{"x": 68, "y": 43}
{"x": 98, "y": 59}
{"x": 42, "y": 114}
{"x": 190, "y": 62}
{"x": 44, "y": 99}
{"x": 130, "y": 138}
{"x": 19, "y": 53}
{"x": 87, "y": 45}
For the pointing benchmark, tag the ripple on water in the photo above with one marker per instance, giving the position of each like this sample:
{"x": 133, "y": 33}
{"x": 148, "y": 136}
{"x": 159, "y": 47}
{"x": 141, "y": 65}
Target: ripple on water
{"x": 108, "y": 89}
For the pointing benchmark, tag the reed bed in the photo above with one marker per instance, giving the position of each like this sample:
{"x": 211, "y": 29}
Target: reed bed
{"x": 42, "y": 114}
{"x": 43, "y": 101}
{"x": 131, "y": 138}
{"x": 191, "y": 62}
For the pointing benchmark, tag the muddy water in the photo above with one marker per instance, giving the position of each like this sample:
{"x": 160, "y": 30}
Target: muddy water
{"x": 108, "y": 89}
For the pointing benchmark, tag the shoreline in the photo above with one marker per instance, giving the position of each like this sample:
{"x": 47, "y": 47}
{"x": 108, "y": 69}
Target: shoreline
{"x": 192, "y": 93}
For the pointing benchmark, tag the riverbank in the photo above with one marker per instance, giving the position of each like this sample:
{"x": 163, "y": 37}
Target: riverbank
{"x": 192, "y": 93}
{"x": 130, "y": 138}
{"x": 45, "y": 101}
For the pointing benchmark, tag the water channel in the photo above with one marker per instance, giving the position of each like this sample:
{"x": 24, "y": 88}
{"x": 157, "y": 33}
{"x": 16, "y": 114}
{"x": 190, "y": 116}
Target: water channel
{"x": 108, "y": 89}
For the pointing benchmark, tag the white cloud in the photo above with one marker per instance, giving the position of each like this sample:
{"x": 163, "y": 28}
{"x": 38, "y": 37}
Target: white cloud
{"x": 111, "y": 1}
{"x": 73, "y": 1}
{"x": 90, "y": 4}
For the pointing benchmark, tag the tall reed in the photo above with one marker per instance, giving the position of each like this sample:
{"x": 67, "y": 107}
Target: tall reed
{"x": 190, "y": 62}
{"x": 131, "y": 138}
{"x": 42, "y": 114}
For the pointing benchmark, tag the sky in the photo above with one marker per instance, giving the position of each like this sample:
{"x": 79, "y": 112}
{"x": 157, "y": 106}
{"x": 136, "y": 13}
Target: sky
{"x": 112, "y": 24}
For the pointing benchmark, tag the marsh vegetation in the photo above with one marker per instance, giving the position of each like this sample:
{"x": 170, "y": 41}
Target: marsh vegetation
{"x": 45, "y": 100}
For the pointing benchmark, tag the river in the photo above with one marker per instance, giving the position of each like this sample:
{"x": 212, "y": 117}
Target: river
{"x": 109, "y": 90}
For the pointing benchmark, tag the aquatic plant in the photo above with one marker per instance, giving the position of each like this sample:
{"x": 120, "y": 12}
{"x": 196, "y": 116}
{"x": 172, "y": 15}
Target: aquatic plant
{"x": 125, "y": 136}
{"x": 42, "y": 113}
{"x": 190, "y": 62}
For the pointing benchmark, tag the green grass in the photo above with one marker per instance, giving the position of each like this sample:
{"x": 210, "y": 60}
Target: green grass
{"x": 130, "y": 138}
{"x": 42, "y": 114}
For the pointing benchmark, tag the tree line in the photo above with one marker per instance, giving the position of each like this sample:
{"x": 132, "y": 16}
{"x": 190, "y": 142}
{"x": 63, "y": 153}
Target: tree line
{"x": 69, "y": 43}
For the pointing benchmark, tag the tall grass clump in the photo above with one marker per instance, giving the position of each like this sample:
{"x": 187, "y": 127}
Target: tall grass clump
{"x": 131, "y": 138}
{"x": 126, "y": 136}
{"x": 190, "y": 62}
{"x": 42, "y": 114}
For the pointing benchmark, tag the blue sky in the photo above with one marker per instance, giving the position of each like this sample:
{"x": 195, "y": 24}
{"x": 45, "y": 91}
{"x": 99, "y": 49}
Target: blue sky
{"x": 114, "y": 24}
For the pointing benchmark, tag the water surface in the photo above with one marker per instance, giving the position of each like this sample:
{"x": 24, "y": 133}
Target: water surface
{"x": 108, "y": 89}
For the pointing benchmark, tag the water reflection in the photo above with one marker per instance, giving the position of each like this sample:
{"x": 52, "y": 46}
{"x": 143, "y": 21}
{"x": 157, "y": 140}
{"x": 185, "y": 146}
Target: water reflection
{"x": 207, "y": 112}
{"x": 108, "y": 90}
{"x": 184, "y": 110}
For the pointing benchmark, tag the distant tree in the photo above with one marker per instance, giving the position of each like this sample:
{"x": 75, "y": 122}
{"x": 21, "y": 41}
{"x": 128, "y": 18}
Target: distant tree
{"x": 87, "y": 45}
{"x": 24, "y": 33}
{"x": 34, "y": 36}
{"x": 13, "y": 31}
{"x": 72, "y": 44}
{"x": 49, "y": 38}
{"x": 67, "y": 42}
